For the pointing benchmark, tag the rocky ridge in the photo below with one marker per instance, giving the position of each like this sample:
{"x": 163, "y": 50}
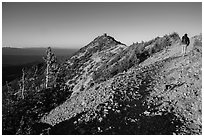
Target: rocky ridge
{"x": 146, "y": 88}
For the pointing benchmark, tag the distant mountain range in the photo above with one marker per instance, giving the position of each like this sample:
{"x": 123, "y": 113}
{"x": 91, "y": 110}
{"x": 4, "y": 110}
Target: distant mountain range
{"x": 14, "y": 59}
{"x": 19, "y": 56}
{"x": 35, "y": 51}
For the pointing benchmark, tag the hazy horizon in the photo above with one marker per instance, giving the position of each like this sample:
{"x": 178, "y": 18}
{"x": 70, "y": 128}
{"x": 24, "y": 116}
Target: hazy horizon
{"x": 42, "y": 47}
{"x": 74, "y": 25}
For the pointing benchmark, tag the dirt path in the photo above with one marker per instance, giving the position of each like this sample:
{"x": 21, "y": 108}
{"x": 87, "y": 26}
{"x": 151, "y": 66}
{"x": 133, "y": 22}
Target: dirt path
{"x": 173, "y": 51}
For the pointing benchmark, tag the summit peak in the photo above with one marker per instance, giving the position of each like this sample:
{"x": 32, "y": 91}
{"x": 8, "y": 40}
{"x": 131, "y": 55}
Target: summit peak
{"x": 105, "y": 38}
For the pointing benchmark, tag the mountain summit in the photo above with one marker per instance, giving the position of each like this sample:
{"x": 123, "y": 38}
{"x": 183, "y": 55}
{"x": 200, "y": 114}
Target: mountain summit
{"x": 103, "y": 42}
{"x": 83, "y": 65}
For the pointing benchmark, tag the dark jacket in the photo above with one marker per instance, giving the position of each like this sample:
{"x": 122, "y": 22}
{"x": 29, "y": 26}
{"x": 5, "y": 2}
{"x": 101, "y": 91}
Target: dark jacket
{"x": 185, "y": 40}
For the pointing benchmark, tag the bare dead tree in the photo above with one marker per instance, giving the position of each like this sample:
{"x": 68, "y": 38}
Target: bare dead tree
{"x": 23, "y": 83}
{"x": 34, "y": 78}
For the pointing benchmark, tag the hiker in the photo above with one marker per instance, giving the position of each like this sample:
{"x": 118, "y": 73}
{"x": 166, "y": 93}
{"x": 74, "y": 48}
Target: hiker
{"x": 185, "y": 42}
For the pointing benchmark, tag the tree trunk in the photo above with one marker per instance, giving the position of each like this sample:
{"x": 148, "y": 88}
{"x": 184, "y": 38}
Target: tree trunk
{"x": 23, "y": 84}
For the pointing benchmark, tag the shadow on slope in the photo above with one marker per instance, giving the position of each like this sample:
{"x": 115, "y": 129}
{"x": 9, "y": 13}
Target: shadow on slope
{"x": 128, "y": 111}
{"x": 165, "y": 124}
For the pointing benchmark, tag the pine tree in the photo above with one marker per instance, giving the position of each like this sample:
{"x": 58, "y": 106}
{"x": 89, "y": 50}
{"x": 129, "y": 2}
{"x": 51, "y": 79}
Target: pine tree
{"x": 51, "y": 66}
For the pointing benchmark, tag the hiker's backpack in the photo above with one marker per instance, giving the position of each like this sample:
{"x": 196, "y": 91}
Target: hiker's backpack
{"x": 185, "y": 40}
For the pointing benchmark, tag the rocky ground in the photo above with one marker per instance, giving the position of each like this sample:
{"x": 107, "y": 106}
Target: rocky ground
{"x": 160, "y": 95}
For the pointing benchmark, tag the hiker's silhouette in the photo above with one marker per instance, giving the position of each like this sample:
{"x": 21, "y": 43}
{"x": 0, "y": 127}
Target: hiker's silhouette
{"x": 185, "y": 42}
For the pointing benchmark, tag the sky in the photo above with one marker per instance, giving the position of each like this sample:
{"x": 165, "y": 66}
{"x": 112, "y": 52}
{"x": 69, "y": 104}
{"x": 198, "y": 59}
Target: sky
{"x": 74, "y": 25}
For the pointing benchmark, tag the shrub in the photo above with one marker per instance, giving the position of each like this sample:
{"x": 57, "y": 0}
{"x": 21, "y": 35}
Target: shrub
{"x": 82, "y": 88}
{"x": 92, "y": 84}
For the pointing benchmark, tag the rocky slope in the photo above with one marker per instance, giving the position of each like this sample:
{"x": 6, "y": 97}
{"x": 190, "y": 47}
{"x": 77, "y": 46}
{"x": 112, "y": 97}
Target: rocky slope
{"x": 81, "y": 68}
{"x": 146, "y": 88}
